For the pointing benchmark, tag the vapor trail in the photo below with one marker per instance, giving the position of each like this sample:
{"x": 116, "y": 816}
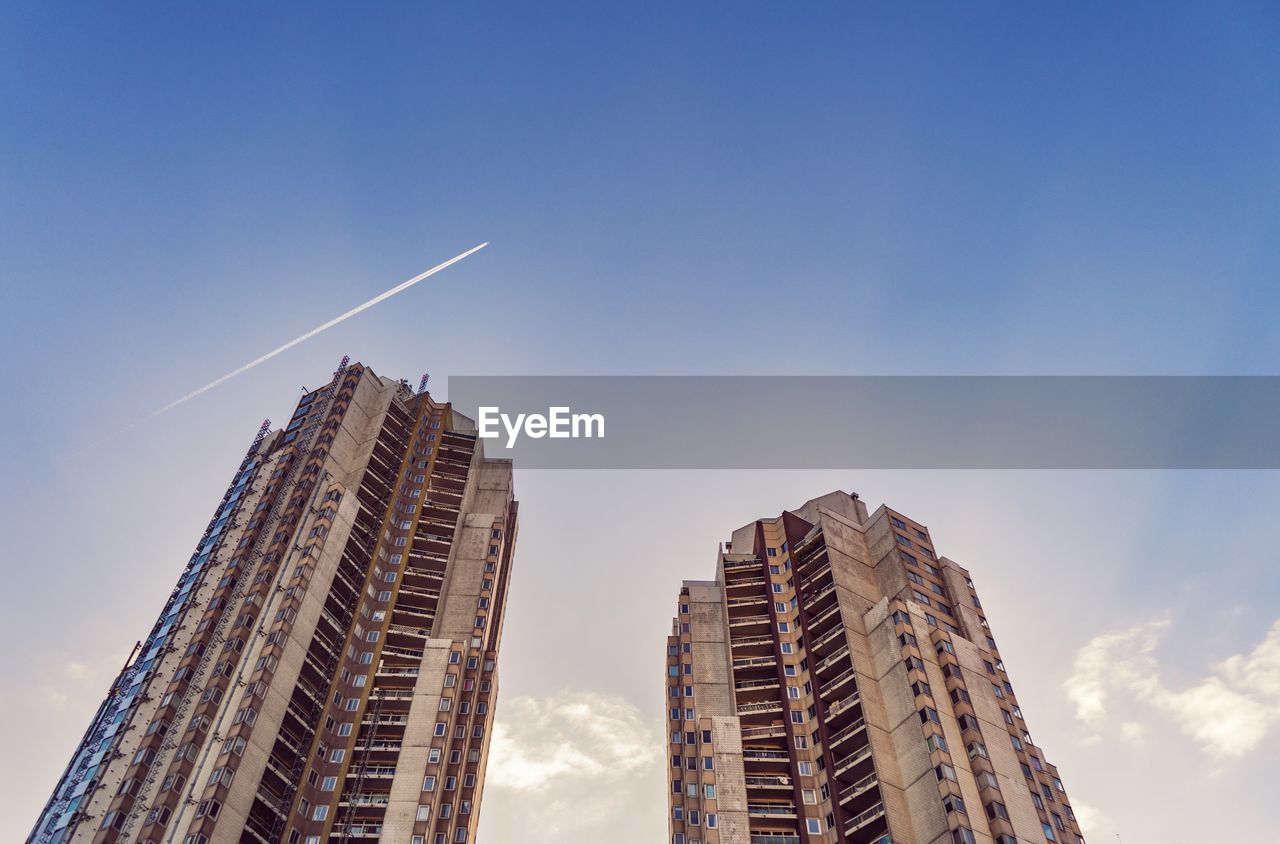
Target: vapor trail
{"x": 313, "y": 332}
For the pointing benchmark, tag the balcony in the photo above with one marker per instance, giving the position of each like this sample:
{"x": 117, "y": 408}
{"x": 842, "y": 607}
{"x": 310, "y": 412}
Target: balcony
{"x": 402, "y": 653}
{"x": 749, "y": 641}
{"x": 743, "y": 620}
{"x": 811, "y": 579}
{"x": 766, "y": 756}
{"x": 414, "y": 614}
{"x": 820, "y": 594}
{"x": 384, "y": 671}
{"x": 826, "y": 638}
{"x": 360, "y": 830}
{"x": 751, "y": 685}
{"x": 427, "y": 574}
{"x": 772, "y": 731}
{"x": 865, "y": 819}
{"x": 860, "y": 787}
{"x": 768, "y": 782}
{"x": 772, "y": 810}
{"x": 404, "y": 630}
{"x": 817, "y": 621}
{"x": 841, "y": 653}
{"x": 379, "y": 746}
{"x": 836, "y": 681}
{"x": 843, "y": 704}
{"x": 844, "y": 733}
{"x": 851, "y": 761}
{"x": 367, "y": 800}
{"x": 755, "y": 662}
{"x": 760, "y": 708}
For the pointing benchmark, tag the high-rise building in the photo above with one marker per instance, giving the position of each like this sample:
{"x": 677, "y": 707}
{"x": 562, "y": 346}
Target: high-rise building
{"x": 838, "y": 682}
{"x": 325, "y": 668}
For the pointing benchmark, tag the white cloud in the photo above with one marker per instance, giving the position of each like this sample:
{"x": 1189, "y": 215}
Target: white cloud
{"x": 1228, "y": 713}
{"x": 558, "y": 759}
{"x": 1092, "y": 822}
{"x": 1134, "y": 733}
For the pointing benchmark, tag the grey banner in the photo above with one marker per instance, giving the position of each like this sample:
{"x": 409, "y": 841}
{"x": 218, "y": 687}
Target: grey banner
{"x": 873, "y": 422}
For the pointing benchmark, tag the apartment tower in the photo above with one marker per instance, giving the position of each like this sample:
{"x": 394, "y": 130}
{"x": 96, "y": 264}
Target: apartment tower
{"x": 325, "y": 669}
{"x": 838, "y": 682}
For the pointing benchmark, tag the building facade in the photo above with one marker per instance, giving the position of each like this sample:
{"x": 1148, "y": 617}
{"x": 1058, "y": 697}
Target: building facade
{"x": 838, "y": 682}
{"x": 325, "y": 669}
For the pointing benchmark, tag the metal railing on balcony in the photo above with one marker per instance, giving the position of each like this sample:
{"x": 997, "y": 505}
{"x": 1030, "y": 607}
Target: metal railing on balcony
{"x": 747, "y": 685}
{"x": 843, "y": 704}
{"x": 845, "y": 732}
{"x": 361, "y": 830}
{"x": 385, "y": 671}
{"x": 817, "y": 621}
{"x": 855, "y": 758}
{"x": 862, "y": 786}
{"x": 841, "y": 653}
{"x": 771, "y": 731}
{"x": 768, "y": 782}
{"x": 379, "y": 745}
{"x": 765, "y": 706}
{"x": 812, "y": 578}
{"x": 842, "y": 677}
{"x": 405, "y": 630}
{"x": 367, "y": 800}
{"x": 754, "y": 661}
{"x": 771, "y": 756}
{"x": 865, "y": 819}
{"x": 830, "y": 636}
{"x": 821, "y": 593}
{"x": 777, "y": 809}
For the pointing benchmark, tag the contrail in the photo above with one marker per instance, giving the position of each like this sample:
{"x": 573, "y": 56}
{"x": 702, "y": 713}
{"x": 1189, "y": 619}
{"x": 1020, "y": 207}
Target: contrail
{"x": 313, "y": 332}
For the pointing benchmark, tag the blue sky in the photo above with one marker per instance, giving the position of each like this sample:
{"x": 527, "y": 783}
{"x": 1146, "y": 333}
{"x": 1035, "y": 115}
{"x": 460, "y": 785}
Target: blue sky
{"x": 668, "y": 188}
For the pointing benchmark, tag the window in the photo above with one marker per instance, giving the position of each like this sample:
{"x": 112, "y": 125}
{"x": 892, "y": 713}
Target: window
{"x": 814, "y": 825}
